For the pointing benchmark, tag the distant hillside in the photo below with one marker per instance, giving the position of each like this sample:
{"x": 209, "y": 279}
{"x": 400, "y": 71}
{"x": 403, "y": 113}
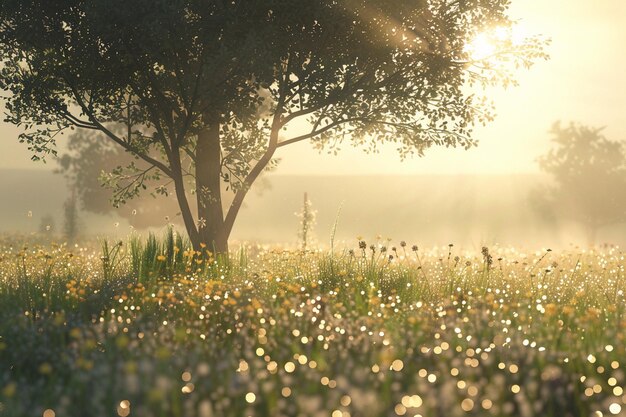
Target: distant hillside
{"x": 465, "y": 210}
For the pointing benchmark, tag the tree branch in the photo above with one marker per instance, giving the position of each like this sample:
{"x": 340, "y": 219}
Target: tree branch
{"x": 126, "y": 145}
{"x": 254, "y": 173}
{"x": 315, "y": 132}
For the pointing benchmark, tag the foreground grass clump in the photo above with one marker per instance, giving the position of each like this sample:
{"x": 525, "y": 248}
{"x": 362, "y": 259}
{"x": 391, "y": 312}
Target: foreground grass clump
{"x": 156, "y": 329}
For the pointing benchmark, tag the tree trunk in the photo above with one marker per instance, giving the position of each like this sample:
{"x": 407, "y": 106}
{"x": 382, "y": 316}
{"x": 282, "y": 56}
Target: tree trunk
{"x": 211, "y": 231}
{"x": 183, "y": 203}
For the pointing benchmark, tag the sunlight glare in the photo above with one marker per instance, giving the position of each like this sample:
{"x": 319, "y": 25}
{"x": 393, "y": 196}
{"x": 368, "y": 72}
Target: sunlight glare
{"x": 481, "y": 47}
{"x": 488, "y": 43}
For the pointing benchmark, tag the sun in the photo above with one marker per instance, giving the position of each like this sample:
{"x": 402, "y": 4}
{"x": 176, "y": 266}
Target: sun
{"x": 481, "y": 47}
{"x": 489, "y": 43}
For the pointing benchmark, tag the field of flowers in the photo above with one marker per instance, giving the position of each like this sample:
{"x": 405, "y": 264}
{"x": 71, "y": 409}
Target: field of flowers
{"x": 153, "y": 328}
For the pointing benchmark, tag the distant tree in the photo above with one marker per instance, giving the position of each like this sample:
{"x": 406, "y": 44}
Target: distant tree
{"x": 71, "y": 218}
{"x": 589, "y": 173}
{"x": 86, "y": 164}
{"x": 205, "y": 92}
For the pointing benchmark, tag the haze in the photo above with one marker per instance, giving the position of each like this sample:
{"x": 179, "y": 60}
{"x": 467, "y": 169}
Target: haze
{"x": 582, "y": 82}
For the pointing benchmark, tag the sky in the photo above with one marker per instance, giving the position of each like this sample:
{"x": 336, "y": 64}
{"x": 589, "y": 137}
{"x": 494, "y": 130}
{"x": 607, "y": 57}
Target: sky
{"x": 583, "y": 81}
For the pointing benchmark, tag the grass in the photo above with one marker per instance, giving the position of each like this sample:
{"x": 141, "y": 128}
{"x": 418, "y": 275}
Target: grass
{"x": 152, "y": 328}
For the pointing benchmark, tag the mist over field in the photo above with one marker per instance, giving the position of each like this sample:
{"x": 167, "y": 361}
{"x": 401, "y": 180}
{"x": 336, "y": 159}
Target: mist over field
{"x": 431, "y": 210}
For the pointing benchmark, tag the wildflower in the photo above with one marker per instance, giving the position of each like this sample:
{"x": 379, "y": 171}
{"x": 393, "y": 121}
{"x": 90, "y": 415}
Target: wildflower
{"x": 84, "y": 364}
{"x": 487, "y": 258}
{"x": 161, "y": 258}
{"x": 593, "y": 313}
{"x": 362, "y": 244}
{"x": 122, "y": 341}
{"x": 45, "y": 368}
{"x": 414, "y": 248}
{"x": 550, "y": 309}
{"x": 9, "y": 390}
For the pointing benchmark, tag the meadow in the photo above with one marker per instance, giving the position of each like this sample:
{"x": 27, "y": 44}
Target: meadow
{"x": 153, "y": 328}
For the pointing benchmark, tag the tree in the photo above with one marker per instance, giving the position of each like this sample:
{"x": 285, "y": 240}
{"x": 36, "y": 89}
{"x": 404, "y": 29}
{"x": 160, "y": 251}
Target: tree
{"x": 589, "y": 173}
{"x": 205, "y": 92}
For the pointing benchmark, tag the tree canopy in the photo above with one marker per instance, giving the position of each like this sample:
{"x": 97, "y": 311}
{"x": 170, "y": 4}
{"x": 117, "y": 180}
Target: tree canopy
{"x": 207, "y": 91}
